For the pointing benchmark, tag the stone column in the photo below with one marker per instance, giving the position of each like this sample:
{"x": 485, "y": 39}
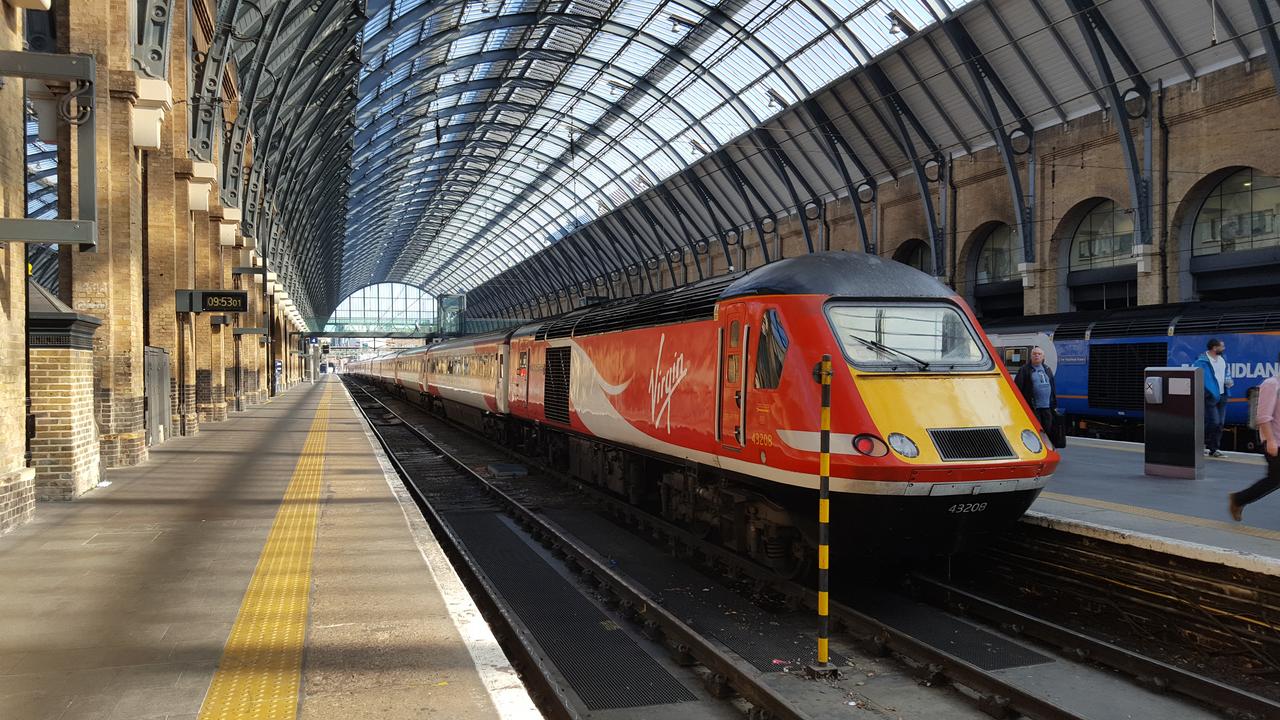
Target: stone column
{"x": 184, "y": 358}
{"x": 203, "y": 280}
{"x": 230, "y": 254}
{"x": 17, "y": 489}
{"x": 185, "y": 419}
{"x": 65, "y": 450}
{"x": 250, "y": 347}
{"x": 108, "y": 283}
{"x": 164, "y": 227}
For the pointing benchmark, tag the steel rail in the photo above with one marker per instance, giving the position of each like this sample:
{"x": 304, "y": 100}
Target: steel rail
{"x": 996, "y": 695}
{"x": 1152, "y": 672}
{"x": 658, "y": 621}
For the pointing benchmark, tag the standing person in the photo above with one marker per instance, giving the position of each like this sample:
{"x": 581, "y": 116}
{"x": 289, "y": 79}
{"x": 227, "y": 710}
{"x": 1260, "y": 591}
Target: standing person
{"x": 1036, "y": 382}
{"x": 1216, "y": 384}
{"x": 1269, "y": 428}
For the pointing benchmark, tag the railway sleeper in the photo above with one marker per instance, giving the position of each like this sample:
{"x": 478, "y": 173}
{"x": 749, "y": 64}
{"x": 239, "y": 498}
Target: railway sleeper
{"x": 997, "y": 707}
{"x": 718, "y": 686}
{"x": 933, "y": 675}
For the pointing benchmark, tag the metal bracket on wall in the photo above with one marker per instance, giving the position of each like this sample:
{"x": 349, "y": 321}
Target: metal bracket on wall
{"x": 151, "y": 49}
{"x": 79, "y": 71}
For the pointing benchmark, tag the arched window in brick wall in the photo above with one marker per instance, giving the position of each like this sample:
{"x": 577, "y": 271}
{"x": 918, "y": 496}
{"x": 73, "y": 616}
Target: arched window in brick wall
{"x": 914, "y": 252}
{"x": 998, "y": 259}
{"x": 1103, "y": 239}
{"x": 1235, "y": 238}
{"x": 1241, "y": 213}
{"x": 997, "y": 284}
{"x": 1102, "y": 272}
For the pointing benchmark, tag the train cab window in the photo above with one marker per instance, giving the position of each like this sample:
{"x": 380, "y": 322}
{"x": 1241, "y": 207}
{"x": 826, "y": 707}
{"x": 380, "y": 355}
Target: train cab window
{"x": 771, "y": 352}
{"x": 907, "y": 337}
{"x": 731, "y": 371}
{"x": 735, "y": 332}
{"x": 523, "y": 369}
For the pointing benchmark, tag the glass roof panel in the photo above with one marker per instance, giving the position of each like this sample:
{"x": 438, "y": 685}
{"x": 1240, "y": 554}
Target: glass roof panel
{"x": 513, "y": 184}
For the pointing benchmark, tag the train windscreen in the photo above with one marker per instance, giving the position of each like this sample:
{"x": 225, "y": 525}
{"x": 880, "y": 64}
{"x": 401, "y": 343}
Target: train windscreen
{"x": 907, "y": 337}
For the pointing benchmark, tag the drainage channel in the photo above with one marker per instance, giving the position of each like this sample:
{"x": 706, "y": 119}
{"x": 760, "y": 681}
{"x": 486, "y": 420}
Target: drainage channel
{"x": 1001, "y": 674}
{"x": 592, "y": 643}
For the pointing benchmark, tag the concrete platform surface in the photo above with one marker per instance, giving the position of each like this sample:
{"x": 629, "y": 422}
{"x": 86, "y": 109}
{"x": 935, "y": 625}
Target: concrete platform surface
{"x": 120, "y": 605}
{"x": 1100, "y": 490}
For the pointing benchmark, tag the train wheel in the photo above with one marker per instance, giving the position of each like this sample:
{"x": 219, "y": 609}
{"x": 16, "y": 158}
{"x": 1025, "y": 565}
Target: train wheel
{"x": 795, "y": 561}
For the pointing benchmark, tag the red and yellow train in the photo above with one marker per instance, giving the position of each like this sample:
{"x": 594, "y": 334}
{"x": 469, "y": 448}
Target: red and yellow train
{"x": 701, "y": 404}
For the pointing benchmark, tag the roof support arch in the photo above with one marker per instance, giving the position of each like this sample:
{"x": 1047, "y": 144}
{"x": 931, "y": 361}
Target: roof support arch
{"x": 1097, "y": 32}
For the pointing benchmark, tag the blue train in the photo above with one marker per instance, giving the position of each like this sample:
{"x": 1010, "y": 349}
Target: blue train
{"x": 1098, "y": 358}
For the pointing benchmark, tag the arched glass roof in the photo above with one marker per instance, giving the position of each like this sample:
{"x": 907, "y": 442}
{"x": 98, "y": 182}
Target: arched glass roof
{"x": 540, "y": 153}
{"x": 488, "y": 129}
{"x": 389, "y": 307}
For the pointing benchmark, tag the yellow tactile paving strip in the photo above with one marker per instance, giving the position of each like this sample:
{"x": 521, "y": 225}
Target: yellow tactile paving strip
{"x": 261, "y": 667}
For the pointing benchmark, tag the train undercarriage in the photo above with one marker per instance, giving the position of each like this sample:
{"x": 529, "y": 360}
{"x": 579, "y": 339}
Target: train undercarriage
{"x": 776, "y": 526}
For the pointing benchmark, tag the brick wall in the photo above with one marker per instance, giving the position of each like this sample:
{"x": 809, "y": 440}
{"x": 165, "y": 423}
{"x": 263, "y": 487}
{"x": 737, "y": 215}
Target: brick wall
{"x": 65, "y": 451}
{"x": 17, "y": 496}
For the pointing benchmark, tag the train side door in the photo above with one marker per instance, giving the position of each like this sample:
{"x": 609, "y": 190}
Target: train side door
{"x": 733, "y": 362}
{"x": 519, "y": 378}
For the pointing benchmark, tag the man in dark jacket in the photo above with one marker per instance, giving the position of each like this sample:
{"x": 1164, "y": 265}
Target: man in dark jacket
{"x": 1035, "y": 380}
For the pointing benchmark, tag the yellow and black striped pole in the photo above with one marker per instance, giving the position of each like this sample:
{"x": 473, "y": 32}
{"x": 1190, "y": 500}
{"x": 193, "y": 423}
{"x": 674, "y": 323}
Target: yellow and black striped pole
{"x": 824, "y": 510}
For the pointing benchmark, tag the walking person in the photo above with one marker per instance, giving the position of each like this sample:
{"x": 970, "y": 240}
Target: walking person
{"x": 1269, "y": 427}
{"x": 1035, "y": 381}
{"x": 1216, "y": 384}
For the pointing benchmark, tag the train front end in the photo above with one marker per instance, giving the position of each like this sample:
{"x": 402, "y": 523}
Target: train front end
{"x": 931, "y": 444}
{"x": 938, "y": 446}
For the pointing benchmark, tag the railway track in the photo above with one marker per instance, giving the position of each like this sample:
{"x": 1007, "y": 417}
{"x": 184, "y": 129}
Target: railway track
{"x": 725, "y": 674}
{"x": 995, "y": 693}
{"x": 1224, "y": 621}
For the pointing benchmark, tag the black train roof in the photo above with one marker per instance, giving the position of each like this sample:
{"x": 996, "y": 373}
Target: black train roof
{"x": 842, "y": 274}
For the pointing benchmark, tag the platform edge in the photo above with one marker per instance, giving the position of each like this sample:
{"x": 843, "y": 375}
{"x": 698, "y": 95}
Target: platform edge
{"x": 506, "y": 690}
{"x": 1242, "y": 560}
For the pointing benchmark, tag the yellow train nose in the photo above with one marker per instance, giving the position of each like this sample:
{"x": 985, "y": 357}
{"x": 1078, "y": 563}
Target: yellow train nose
{"x": 915, "y": 404}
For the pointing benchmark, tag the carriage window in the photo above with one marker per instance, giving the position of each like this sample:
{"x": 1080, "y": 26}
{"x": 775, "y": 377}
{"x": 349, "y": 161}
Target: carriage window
{"x": 1015, "y": 357}
{"x": 735, "y": 331}
{"x": 771, "y": 352}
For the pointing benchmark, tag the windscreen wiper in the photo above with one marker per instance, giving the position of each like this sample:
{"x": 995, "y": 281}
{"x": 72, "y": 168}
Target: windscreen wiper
{"x": 881, "y": 347}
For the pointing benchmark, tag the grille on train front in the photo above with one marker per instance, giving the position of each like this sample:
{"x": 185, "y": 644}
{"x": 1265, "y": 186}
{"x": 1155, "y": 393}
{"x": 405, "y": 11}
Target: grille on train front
{"x": 987, "y": 443}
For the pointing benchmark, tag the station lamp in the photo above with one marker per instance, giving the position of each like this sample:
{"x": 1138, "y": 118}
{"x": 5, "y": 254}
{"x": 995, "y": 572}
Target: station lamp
{"x": 899, "y": 25}
{"x": 679, "y": 23}
{"x": 775, "y": 100}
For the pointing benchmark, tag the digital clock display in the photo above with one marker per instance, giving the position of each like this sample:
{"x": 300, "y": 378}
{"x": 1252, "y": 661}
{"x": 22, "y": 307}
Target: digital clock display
{"x": 220, "y": 301}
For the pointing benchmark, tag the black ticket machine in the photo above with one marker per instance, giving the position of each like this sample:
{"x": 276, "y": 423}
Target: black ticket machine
{"x": 1174, "y": 421}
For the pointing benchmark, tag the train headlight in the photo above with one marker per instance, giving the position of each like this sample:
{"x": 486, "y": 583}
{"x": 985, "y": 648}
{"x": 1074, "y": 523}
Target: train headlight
{"x": 903, "y": 445}
{"x": 870, "y": 445}
{"x": 1032, "y": 441}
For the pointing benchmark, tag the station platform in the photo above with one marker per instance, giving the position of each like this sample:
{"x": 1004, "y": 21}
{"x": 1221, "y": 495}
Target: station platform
{"x": 1100, "y": 490}
{"x": 263, "y": 568}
